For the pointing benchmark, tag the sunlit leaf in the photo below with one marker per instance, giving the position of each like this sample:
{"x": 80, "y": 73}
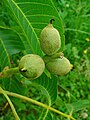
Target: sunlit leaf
{"x": 32, "y": 16}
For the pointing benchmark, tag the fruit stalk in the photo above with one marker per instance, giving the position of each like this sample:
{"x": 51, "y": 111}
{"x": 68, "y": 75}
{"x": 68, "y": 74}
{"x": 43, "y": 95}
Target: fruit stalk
{"x": 7, "y": 72}
{"x": 57, "y": 55}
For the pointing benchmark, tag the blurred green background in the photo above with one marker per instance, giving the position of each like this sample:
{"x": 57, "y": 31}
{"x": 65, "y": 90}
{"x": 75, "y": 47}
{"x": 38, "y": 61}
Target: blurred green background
{"x": 76, "y": 19}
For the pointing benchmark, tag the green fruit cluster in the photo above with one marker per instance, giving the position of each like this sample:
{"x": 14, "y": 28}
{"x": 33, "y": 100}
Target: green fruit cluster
{"x": 50, "y": 44}
{"x": 32, "y": 66}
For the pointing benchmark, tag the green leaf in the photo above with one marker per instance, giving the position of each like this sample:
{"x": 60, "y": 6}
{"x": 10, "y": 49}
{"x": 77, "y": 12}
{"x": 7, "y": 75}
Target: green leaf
{"x": 31, "y": 41}
{"x": 11, "y": 41}
{"x": 4, "y": 56}
{"x": 17, "y": 86}
{"x": 32, "y": 16}
{"x": 79, "y": 105}
{"x": 48, "y": 87}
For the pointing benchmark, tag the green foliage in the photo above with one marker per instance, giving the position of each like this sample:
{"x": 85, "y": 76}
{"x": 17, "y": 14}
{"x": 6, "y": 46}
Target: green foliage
{"x": 4, "y": 56}
{"x": 19, "y": 32}
{"x": 13, "y": 41}
{"x": 21, "y": 22}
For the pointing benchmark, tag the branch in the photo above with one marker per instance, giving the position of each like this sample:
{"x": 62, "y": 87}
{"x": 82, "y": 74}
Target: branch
{"x": 10, "y": 103}
{"x": 39, "y": 104}
{"x": 47, "y": 58}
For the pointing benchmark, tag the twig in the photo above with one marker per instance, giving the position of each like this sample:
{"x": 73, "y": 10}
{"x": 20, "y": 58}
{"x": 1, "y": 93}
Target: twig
{"x": 10, "y": 103}
{"x": 39, "y": 103}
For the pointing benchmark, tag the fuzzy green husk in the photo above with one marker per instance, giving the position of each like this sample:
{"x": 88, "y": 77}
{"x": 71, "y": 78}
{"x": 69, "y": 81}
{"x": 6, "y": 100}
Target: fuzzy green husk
{"x": 31, "y": 66}
{"x": 59, "y": 66}
{"x": 50, "y": 41}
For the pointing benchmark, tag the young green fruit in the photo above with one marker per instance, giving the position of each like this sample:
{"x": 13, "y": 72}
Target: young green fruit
{"x": 59, "y": 66}
{"x": 50, "y": 41}
{"x": 31, "y": 66}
